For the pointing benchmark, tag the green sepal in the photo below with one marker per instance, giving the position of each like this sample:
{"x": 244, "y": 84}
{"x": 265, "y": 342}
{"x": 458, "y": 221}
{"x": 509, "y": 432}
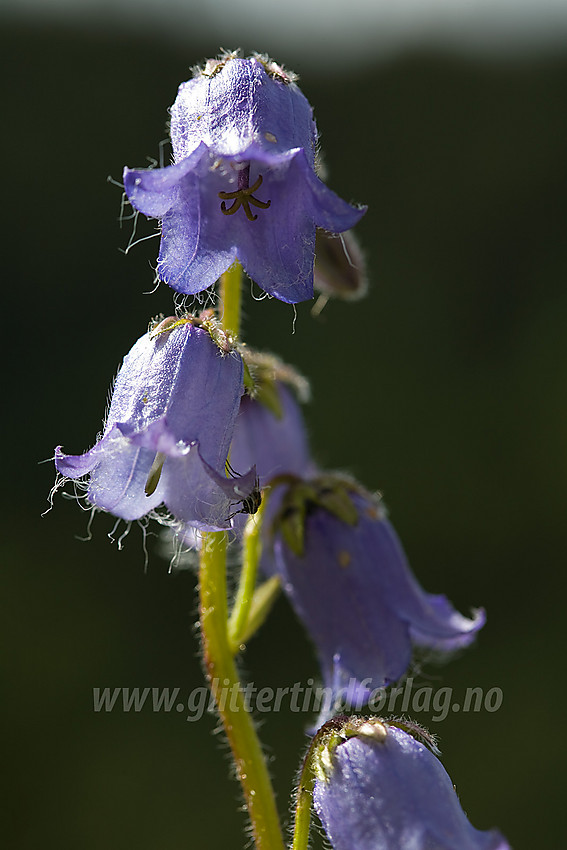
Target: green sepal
{"x": 335, "y": 732}
{"x": 267, "y": 394}
{"x": 248, "y": 379}
{"x": 417, "y": 731}
{"x": 262, "y": 374}
{"x": 291, "y": 519}
{"x": 332, "y": 493}
{"x": 335, "y": 497}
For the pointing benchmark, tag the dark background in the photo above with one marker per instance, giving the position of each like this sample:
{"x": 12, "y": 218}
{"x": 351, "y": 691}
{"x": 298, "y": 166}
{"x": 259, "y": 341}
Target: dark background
{"x": 445, "y": 389}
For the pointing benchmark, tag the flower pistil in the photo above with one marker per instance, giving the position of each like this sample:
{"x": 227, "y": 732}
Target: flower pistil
{"x": 244, "y": 196}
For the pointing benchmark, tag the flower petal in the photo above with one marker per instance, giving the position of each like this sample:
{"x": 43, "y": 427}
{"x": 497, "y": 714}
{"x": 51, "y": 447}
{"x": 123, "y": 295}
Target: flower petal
{"x": 355, "y": 632}
{"x": 277, "y": 250}
{"x": 328, "y": 210}
{"x": 455, "y": 630}
{"x": 181, "y": 383}
{"x": 197, "y": 495}
{"x": 431, "y": 618}
{"x": 75, "y": 466}
{"x": 239, "y": 104}
{"x": 276, "y": 446}
{"x": 194, "y": 250}
{"x": 390, "y": 791}
{"x": 352, "y": 587}
{"x": 118, "y": 474}
{"x": 153, "y": 191}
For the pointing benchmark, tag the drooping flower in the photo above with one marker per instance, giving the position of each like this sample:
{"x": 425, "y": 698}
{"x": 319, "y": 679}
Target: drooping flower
{"x": 169, "y": 429}
{"x": 270, "y": 432}
{"x": 379, "y": 788}
{"x": 243, "y": 183}
{"x": 345, "y": 572}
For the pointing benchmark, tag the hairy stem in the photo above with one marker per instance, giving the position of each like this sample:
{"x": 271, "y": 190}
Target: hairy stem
{"x": 249, "y": 760}
{"x": 303, "y": 803}
{"x": 250, "y": 764}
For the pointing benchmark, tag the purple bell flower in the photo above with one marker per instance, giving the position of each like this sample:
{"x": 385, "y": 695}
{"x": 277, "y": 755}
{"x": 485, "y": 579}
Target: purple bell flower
{"x": 345, "y": 572}
{"x": 243, "y": 183}
{"x": 381, "y": 789}
{"x": 169, "y": 429}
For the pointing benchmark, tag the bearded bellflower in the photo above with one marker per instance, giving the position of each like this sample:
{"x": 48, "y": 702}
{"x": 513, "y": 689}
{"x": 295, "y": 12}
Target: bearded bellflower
{"x": 169, "y": 429}
{"x": 342, "y": 566}
{"x": 243, "y": 184}
{"x": 378, "y": 787}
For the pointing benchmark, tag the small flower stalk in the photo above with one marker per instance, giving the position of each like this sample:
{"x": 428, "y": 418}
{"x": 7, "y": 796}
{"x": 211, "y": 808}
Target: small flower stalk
{"x": 206, "y": 435}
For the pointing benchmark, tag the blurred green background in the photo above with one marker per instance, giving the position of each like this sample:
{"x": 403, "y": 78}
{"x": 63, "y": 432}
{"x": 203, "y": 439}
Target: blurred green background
{"x": 445, "y": 389}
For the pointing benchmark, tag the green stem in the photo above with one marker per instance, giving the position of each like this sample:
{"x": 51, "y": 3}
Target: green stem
{"x": 230, "y": 285}
{"x": 249, "y": 760}
{"x": 303, "y": 805}
{"x": 262, "y": 603}
{"x": 250, "y": 764}
{"x": 251, "y": 550}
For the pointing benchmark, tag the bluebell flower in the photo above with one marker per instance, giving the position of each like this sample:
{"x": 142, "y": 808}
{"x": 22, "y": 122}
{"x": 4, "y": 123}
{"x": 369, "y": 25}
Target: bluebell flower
{"x": 270, "y": 431}
{"x": 243, "y": 184}
{"x": 342, "y": 566}
{"x": 168, "y": 430}
{"x": 379, "y": 788}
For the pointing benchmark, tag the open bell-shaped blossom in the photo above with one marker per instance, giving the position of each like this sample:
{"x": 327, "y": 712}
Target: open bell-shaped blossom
{"x": 168, "y": 430}
{"x": 243, "y": 183}
{"x": 342, "y": 566}
{"x": 379, "y": 788}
